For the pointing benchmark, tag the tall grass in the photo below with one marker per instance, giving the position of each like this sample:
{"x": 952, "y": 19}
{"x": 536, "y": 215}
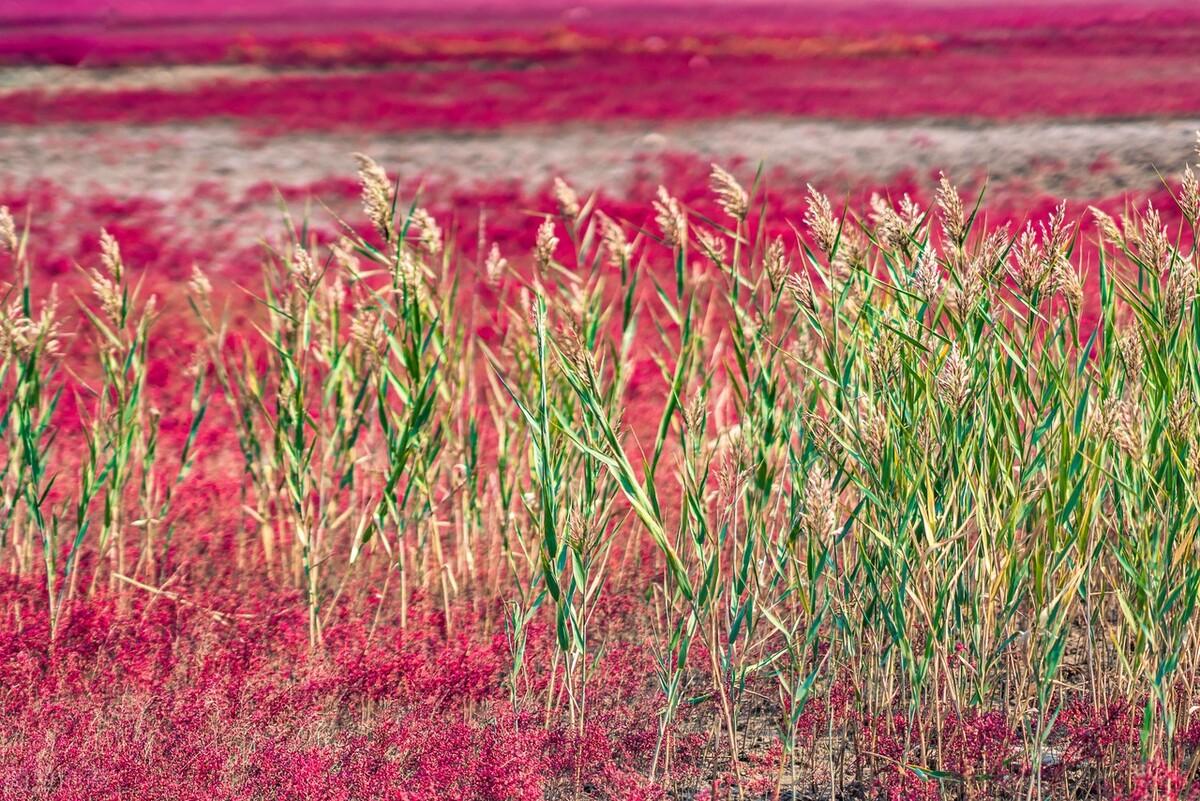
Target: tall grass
{"x": 900, "y": 465}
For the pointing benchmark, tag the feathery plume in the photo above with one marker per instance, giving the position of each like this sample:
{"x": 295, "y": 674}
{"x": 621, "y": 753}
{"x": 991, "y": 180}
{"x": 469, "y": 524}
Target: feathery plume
{"x": 820, "y": 221}
{"x": 873, "y": 428}
{"x": 1189, "y": 195}
{"x": 575, "y": 353}
{"x": 953, "y": 382}
{"x": 406, "y": 272}
{"x": 1067, "y": 282}
{"x": 1181, "y": 416}
{"x": 1181, "y": 289}
{"x": 820, "y": 505}
{"x": 617, "y": 247}
{"x": 1124, "y": 426}
{"x": 304, "y": 270}
{"x": 889, "y": 228}
{"x": 800, "y": 288}
{"x": 695, "y": 414}
{"x": 1129, "y": 345}
{"x": 776, "y": 264}
{"x": 110, "y": 255}
{"x": 543, "y": 249}
{"x": 851, "y": 255}
{"x": 369, "y": 334}
{"x": 1108, "y": 227}
{"x": 567, "y": 200}
{"x": 926, "y": 279}
{"x": 895, "y": 229}
{"x": 1152, "y": 242}
{"x": 495, "y": 266}
{"x": 965, "y": 295}
{"x": 670, "y": 218}
{"x": 731, "y": 197}
{"x": 1056, "y": 231}
{"x": 21, "y": 335}
{"x": 1029, "y": 266}
{"x": 109, "y": 294}
{"x": 376, "y": 194}
{"x": 951, "y": 206}
{"x": 883, "y": 357}
{"x": 200, "y": 287}
{"x": 713, "y": 246}
{"x": 8, "y": 230}
{"x": 429, "y": 233}
{"x": 991, "y": 252}
{"x": 344, "y": 256}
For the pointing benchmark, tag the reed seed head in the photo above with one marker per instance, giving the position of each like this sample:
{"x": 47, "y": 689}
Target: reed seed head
{"x": 951, "y": 206}
{"x": 110, "y": 256}
{"x": 8, "y": 231}
{"x": 1181, "y": 416}
{"x": 670, "y": 218}
{"x": 1030, "y": 267}
{"x": 567, "y": 200}
{"x": 575, "y": 353}
{"x": 926, "y": 278}
{"x": 1151, "y": 242}
{"x": 369, "y": 334}
{"x": 1109, "y": 230}
{"x": 1056, "y": 231}
{"x": 304, "y": 271}
{"x": 543, "y": 249}
{"x": 776, "y": 264}
{"x": 406, "y": 272}
{"x": 429, "y": 233}
{"x": 731, "y": 197}
{"x": 953, "y": 382}
{"x": 820, "y": 221}
{"x": 1189, "y": 195}
{"x": 1129, "y": 345}
{"x": 1066, "y": 281}
{"x": 1125, "y": 427}
{"x": 883, "y": 357}
{"x": 200, "y": 287}
{"x": 820, "y": 505}
{"x": 695, "y": 414}
{"x": 873, "y": 429}
{"x": 109, "y": 294}
{"x": 618, "y": 248}
{"x": 851, "y": 254}
{"x": 495, "y": 266}
{"x": 971, "y": 287}
{"x": 713, "y": 246}
{"x": 800, "y": 288}
{"x": 1181, "y": 289}
{"x": 376, "y": 194}
{"x": 895, "y": 228}
{"x": 343, "y": 252}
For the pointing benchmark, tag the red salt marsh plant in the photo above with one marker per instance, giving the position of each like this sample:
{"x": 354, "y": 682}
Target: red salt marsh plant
{"x": 672, "y": 64}
{"x": 870, "y": 509}
{"x": 670, "y": 88}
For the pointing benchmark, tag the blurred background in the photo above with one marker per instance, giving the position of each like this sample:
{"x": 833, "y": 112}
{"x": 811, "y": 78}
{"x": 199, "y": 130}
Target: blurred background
{"x": 188, "y": 121}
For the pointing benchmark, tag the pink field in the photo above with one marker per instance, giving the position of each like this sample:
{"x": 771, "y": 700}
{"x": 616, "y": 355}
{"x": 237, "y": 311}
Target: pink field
{"x": 842, "y": 63}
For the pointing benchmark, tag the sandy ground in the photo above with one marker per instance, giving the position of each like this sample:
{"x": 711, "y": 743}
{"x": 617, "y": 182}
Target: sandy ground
{"x": 1074, "y": 160}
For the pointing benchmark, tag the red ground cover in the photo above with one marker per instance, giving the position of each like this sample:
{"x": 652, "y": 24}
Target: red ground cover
{"x": 857, "y": 62}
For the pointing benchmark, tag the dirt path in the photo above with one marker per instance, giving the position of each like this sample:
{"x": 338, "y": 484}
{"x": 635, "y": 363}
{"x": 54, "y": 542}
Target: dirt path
{"x": 1069, "y": 159}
